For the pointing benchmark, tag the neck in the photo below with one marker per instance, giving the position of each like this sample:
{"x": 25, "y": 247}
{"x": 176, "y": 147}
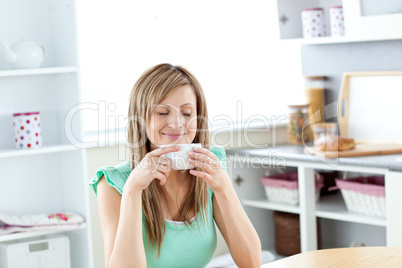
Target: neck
{"x": 177, "y": 178}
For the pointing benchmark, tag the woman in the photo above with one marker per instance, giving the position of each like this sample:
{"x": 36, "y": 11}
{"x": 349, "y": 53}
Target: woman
{"x": 153, "y": 216}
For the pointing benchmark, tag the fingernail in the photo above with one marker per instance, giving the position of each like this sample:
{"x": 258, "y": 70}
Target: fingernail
{"x": 195, "y": 148}
{"x": 190, "y": 153}
{"x": 177, "y": 147}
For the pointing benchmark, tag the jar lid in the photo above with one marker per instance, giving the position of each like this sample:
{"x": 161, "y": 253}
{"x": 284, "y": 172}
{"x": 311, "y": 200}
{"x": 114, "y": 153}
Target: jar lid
{"x": 315, "y": 77}
{"x": 309, "y": 9}
{"x": 299, "y": 106}
{"x": 18, "y": 114}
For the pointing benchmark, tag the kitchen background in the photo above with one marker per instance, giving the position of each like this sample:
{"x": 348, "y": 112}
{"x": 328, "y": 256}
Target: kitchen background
{"x": 238, "y": 49}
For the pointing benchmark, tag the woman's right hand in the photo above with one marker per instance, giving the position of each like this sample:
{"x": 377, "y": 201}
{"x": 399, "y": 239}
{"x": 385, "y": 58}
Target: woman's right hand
{"x": 151, "y": 167}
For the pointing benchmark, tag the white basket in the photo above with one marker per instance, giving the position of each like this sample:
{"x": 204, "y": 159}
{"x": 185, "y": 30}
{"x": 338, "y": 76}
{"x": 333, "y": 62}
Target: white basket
{"x": 285, "y": 196}
{"x": 364, "y": 203}
{"x": 365, "y": 195}
{"x": 47, "y": 253}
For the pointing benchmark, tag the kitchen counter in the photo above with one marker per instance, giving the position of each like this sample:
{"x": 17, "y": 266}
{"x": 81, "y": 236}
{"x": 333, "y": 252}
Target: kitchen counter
{"x": 296, "y": 153}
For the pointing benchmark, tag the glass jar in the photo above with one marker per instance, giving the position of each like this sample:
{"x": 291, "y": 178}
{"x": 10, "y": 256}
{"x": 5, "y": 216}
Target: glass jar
{"x": 323, "y": 129}
{"x": 314, "y": 90}
{"x": 298, "y": 132}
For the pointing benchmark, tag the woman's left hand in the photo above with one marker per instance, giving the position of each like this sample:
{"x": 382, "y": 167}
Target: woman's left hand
{"x": 212, "y": 172}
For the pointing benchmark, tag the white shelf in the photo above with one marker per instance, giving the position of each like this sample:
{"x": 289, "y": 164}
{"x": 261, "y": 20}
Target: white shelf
{"x": 38, "y": 71}
{"x": 336, "y": 40}
{"x": 42, "y": 150}
{"x": 329, "y": 207}
{"x": 333, "y": 207}
{"x": 23, "y": 235}
{"x": 265, "y": 204}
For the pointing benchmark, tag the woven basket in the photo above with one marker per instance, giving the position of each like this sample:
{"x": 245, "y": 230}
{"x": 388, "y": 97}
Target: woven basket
{"x": 287, "y": 233}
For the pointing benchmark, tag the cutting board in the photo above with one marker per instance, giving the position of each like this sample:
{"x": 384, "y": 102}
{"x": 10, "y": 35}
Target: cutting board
{"x": 362, "y": 149}
{"x": 370, "y": 106}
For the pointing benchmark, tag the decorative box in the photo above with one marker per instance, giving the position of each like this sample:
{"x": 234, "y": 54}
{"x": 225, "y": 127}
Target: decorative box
{"x": 313, "y": 22}
{"x": 46, "y": 253}
{"x": 27, "y": 130}
{"x": 337, "y": 23}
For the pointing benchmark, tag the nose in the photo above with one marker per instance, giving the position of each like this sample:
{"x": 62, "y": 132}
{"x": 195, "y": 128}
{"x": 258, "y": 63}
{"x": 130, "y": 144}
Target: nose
{"x": 176, "y": 120}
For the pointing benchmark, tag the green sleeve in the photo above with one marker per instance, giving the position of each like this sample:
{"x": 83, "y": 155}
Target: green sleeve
{"x": 115, "y": 176}
{"x": 220, "y": 153}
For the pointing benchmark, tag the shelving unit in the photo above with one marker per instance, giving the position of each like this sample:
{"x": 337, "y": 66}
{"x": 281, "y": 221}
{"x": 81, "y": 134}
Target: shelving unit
{"x": 38, "y": 71}
{"x": 329, "y": 207}
{"x": 340, "y": 226}
{"x": 52, "y": 178}
{"x": 46, "y": 149}
{"x": 290, "y": 24}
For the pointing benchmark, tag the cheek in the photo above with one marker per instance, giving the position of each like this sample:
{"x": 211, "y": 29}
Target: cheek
{"x": 192, "y": 124}
{"x": 155, "y": 124}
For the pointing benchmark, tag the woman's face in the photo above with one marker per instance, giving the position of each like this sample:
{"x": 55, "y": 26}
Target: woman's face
{"x": 174, "y": 120}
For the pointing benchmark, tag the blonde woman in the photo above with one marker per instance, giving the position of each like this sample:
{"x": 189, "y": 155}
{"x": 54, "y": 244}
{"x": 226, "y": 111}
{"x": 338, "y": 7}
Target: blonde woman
{"x": 153, "y": 216}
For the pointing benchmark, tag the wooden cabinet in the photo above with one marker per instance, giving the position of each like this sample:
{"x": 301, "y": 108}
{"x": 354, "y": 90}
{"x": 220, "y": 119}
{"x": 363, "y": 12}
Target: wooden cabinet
{"x": 52, "y": 178}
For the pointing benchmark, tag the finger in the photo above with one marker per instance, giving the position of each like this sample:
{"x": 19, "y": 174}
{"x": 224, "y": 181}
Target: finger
{"x": 201, "y": 174}
{"x": 213, "y": 162}
{"x": 164, "y": 161}
{"x": 205, "y": 151}
{"x": 200, "y": 164}
{"x": 160, "y": 176}
{"x": 164, "y": 168}
{"x": 163, "y": 150}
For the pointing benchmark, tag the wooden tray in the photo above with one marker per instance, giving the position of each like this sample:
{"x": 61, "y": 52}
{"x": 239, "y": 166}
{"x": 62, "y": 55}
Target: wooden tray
{"x": 362, "y": 149}
{"x": 369, "y": 106}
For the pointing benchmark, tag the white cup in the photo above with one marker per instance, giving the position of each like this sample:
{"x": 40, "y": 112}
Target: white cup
{"x": 180, "y": 158}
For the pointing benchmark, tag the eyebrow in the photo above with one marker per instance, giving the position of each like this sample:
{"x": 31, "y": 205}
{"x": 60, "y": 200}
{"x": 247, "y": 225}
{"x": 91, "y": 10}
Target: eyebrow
{"x": 180, "y": 106}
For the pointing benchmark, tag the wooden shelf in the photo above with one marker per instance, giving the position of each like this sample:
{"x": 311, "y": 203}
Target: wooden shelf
{"x": 38, "y": 71}
{"x": 42, "y": 150}
{"x": 23, "y": 235}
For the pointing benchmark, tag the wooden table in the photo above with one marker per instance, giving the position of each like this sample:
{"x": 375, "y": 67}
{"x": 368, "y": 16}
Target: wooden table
{"x": 367, "y": 257}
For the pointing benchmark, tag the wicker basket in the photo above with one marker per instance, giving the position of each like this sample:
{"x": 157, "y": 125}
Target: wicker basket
{"x": 284, "y": 188}
{"x": 365, "y": 195}
{"x": 287, "y": 233}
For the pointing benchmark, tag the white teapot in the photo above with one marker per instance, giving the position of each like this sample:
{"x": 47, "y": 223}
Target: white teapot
{"x": 24, "y": 54}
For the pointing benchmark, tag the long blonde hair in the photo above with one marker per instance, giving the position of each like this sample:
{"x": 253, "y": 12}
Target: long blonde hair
{"x": 152, "y": 88}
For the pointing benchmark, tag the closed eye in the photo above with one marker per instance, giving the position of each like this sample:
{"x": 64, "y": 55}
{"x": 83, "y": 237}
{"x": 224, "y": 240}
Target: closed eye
{"x": 168, "y": 113}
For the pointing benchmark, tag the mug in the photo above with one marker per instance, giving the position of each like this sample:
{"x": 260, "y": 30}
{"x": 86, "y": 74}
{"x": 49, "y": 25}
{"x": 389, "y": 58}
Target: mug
{"x": 180, "y": 158}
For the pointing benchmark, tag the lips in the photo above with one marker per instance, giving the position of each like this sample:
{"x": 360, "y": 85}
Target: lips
{"x": 174, "y": 135}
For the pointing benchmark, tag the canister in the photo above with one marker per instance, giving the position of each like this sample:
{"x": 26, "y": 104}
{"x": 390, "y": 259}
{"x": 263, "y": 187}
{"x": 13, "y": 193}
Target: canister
{"x": 313, "y": 21}
{"x": 314, "y": 90}
{"x": 299, "y": 133}
{"x": 336, "y": 20}
{"x": 27, "y": 130}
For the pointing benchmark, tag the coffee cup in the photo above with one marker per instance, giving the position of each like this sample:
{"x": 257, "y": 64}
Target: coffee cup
{"x": 180, "y": 158}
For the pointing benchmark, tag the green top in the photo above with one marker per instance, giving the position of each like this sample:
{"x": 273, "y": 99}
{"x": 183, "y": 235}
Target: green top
{"x": 192, "y": 246}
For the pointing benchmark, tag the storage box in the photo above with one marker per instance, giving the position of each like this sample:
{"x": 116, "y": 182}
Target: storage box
{"x": 364, "y": 195}
{"x": 46, "y": 253}
{"x": 284, "y": 187}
